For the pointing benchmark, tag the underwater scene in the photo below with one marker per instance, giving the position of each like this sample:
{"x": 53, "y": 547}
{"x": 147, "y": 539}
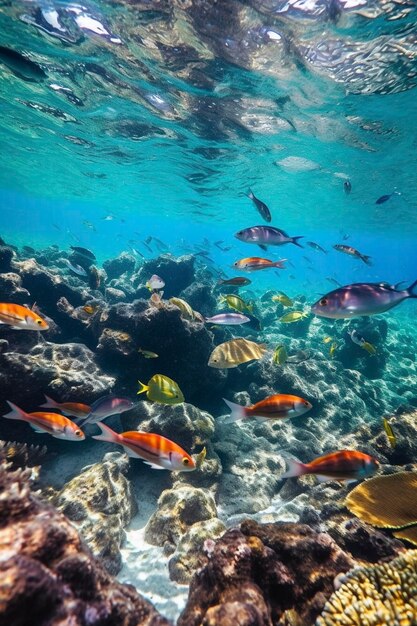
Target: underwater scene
{"x": 208, "y": 283}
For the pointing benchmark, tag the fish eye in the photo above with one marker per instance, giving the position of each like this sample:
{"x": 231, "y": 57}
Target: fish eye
{"x": 306, "y": 403}
{"x": 323, "y": 302}
{"x": 39, "y": 322}
{"x": 185, "y": 461}
{"x": 78, "y": 433}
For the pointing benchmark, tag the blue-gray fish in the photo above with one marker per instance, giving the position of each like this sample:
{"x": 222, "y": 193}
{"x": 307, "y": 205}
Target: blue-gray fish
{"x": 264, "y": 236}
{"x": 106, "y": 406}
{"x": 361, "y": 299}
{"x": 261, "y": 206}
{"x": 228, "y": 319}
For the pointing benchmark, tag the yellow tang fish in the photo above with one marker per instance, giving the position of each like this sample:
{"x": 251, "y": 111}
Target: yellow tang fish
{"x": 235, "y": 352}
{"x": 283, "y": 299}
{"x": 293, "y": 316}
{"x": 184, "y": 307}
{"x": 368, "y": 347}
{"x": 148, "y": 354}
{"x": 333, "y": 349}
{"x": 327, "y": 339}
{"x": 162, "y": 389}
{"x": 280, "y": 355}
{"x": 389, "y": 432}
{"x": 237, "y": 303}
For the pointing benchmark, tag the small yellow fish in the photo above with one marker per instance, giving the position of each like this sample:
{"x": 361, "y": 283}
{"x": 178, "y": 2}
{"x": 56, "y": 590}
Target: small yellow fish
{"x": 333, "y": 349}
{"x": 389, "y": 432}
{"x": 236, "y": 303}
{"x": 199, "y": 459}
{"x": 148, "y": 354}
{"x": 283, "y": 299}
{"x": 280, "y": 355}
{"x": 162, "y": 389}
{"x": 91, "y": 308}
{"x": 368, "y": 347}
{"x": 327, "y": 339}
{"x": 293, "y": 316}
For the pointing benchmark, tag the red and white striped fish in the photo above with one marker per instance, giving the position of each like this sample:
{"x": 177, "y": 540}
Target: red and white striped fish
{"x": 53, "y": 424}
{"x": 349, "y": 465}
{"x": 20, "y": 317}
{"x": 155, "y": 450}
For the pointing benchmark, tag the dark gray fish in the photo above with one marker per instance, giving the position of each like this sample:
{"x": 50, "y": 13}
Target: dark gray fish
{"x": 347, "y": 186}
{"x": 84, "y": 252}
{"x": 386, "y": 197}
{"x": 353, "y": 252}
{"x": 261, "y": 206}
{"x": 21, "y": 65}
{"x": 316, "y": 246}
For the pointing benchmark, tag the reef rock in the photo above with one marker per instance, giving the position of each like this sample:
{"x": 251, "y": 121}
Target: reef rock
{"x": 114, "y": 268}
{"x": 258, "y": 575}
{"x": 176, "y": 272}
{"x": 100, "y": 504}
{"x": 178, "y": 509}
{"x": 48, "y": 577}
{"x": 11, "y": 289}
{"x": 66, "y": 370}
{"x": 6, "y": 256}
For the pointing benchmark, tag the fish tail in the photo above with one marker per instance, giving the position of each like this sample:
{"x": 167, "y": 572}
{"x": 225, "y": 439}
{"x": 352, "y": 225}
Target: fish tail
{"x": 49, "y": 404}
{"x": 142, "y": 388}
{"x": 237, "y": 412}
{"x": 107, "y": 434}
{"x": 294, "y": 240}
{"x": 366, "y": 259}
{"x": 16, "y": 413}
{"x": 250, "y": 194}
{"x": 294, "y": 468}
{"x": 280, "y": 263}
{"x": 410, "y": 290}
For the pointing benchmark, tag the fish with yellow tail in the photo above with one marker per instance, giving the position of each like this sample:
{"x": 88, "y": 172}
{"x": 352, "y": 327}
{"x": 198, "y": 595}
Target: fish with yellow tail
{"x": 283, "y": 299}
{"x": 361, "y": 342}
{"x": 293, "y": 316}
{"x": 237, "y": 303}
{"x": 235, "y": 352}
{"x": 343, "y": 465}
{"x": 162, "y": 390}
{"x": 278, "y": 406}
{"x": 280, "y": 355}
{"x": 155, "y": 450}
{"x": 53, "y": 424}
{"x": 389, "y": 432}
{"x": 20, "y": 317}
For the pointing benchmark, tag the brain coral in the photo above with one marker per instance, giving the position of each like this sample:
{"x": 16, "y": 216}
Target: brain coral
{"x": 379, "y": 595}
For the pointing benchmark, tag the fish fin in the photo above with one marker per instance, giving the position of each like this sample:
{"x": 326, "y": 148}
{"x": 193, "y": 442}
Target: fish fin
{"x": 38, "y": 430}
{"x": 237, "y": 412}
{"x": 294, "y": 468}
{"x": 410, "y": 290}
{"x": 107, "y": 434}
{"x": 49, "y": 404}
{"x": 153, "y": 466}
{"x": 142, "y": 388}
{"x": 324, "y": 479}
{"x": 250, "y": 194}
{"x": 294, "y": 240}
{"x": 15, "y": 413}
{"x": 366, "y": 259}
{"x": 368, "y": 347}
{"x": 263, "y": 246}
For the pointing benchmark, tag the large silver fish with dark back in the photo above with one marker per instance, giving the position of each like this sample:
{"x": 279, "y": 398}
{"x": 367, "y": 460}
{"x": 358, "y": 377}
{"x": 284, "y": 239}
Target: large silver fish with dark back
{"x": 361, "y": 299}
{"x": 265, "y": 236}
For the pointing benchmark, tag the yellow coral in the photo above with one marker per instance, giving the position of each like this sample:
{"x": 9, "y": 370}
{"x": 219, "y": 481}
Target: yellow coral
{"x": 379, "y": 595}
{"x": 386, "y": 501}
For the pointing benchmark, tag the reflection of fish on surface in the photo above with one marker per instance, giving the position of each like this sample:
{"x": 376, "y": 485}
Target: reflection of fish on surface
{"x": 155, "y": 450}
{"x": 235, "y": 352}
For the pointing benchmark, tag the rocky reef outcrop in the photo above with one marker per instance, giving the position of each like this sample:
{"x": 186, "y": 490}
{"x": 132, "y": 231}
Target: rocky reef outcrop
{"x": 100, "y": 504}
{"x": 48, "y": 576}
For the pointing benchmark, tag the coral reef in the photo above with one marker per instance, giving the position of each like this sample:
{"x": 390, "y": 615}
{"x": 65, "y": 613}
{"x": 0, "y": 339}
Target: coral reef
{"x": 47, "y": 575}
{"x": 122, "y": 264}
{"x": 100, "y": 504}
{"x": 178, "y": 509}
{"x": 260, "y": 573}
{"x": 376, "y": 596}
{"x": 176, "y": 272}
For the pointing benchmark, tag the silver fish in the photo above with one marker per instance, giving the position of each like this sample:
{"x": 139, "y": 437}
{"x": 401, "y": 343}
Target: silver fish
{"x": 264, "y": 236}
{"x": 228, "y": 319}
{"x": 361, "y": 299}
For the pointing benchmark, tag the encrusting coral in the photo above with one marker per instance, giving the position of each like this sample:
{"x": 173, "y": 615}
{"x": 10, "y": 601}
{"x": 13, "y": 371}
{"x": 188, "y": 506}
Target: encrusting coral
{"x": 388, "y": 502}
{"x": 100, "y": 504}
{"x": 379, "y": 595}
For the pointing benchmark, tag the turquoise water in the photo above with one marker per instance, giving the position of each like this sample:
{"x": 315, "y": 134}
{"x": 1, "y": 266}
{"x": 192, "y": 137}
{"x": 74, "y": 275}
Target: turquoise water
{"x": 153, "y": 119}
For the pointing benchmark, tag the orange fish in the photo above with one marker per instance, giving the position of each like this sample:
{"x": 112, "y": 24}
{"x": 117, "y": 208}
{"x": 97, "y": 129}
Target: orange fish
{"x": 154, "y": 450}
{"x": 20, "y": 317}
{"x": 348, "y": 465}
{"x": 76, "y": 409}
{"x": 278, "y": 406}
{"x": 51, "y": 423}
{"x": 254, "y": 263}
